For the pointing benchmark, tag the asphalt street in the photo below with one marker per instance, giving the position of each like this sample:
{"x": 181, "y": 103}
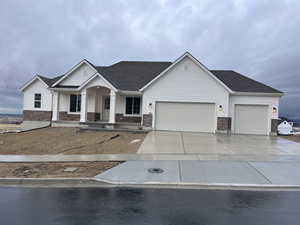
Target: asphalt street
{"x": 141, "y": 206}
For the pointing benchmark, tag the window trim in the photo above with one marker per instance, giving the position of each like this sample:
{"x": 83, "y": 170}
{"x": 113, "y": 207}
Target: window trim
{"x": 140, "y": 109}
{"x": 37, "y": 100}
{"x": 69, "y": 108}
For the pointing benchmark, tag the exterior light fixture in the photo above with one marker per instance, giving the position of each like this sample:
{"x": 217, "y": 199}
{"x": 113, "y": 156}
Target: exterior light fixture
{"x": 274, "y": 109}
{"x": 220, "y": 108}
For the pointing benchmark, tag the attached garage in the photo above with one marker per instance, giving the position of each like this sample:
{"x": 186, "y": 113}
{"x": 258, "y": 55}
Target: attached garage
{"x": 251, "y": 119}
{"x": 179, "y": 116}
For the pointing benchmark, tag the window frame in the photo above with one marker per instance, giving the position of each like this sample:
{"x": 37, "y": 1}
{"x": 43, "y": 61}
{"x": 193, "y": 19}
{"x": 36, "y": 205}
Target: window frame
{"x": 35, "y": 100}
{"x": 132, "y": 106}
{"x": 77, "y": 104}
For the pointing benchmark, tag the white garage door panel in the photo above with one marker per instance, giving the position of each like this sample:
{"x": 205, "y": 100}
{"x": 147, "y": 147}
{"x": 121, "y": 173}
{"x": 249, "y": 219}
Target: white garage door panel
{"x": 177, "y": 116}
{"x": 251, "y": 119}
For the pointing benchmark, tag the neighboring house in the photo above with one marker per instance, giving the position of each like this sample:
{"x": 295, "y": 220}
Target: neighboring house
{"x": 285, "y": 128}
{"x": 179, "y": 96}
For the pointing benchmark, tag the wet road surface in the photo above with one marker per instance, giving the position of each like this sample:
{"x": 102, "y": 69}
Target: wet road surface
{"x": 78, "y": 206}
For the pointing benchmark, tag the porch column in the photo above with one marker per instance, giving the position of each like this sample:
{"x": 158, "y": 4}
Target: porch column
{"x": 55, "y": 106}
{"x": 112, "y": 109}
{"x": 83, "y": 108}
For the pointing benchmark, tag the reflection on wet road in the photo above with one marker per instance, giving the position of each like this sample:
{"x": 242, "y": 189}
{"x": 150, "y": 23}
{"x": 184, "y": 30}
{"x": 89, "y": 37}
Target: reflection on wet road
{"x": 28, "y": 206}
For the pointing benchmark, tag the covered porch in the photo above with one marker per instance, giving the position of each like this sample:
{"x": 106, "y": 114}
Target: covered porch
{"x": 96, "y": 105}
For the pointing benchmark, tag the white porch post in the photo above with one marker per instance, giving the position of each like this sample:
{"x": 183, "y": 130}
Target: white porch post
{"x": 83, "y": 110}
{"x": 112, "y": 109}
{"x": 55, "y": 106}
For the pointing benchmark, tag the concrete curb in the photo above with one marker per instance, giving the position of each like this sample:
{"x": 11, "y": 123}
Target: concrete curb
{"x": 47, "y": 182}
{"x": 92, "y": 182}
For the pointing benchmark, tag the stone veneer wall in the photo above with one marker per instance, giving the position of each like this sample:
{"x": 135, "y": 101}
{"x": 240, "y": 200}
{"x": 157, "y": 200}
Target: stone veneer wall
{"x": 69, "y": 117}
{"x": 31, "y": 115}
{"x": 128, "y": 119}
{"x": 147, "y": 120}
{"x": 274, "y": 125}
{"x": 224, "y": 124}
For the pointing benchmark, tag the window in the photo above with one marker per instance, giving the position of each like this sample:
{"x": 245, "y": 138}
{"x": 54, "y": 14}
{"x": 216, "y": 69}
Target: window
{"x": 75, "y": 103}
{"x": 37, "y": 100}
{"x": 107, "y": 103}
{"x": 133, "y": 105}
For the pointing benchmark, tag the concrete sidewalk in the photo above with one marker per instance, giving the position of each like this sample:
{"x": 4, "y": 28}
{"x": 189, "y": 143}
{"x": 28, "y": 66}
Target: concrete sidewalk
{"x": 143, "y": 157}
{"x": 228, "y": 173}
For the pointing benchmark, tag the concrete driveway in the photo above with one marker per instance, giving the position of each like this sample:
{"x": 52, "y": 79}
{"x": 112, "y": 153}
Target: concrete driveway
{"x": 214, "y": 146}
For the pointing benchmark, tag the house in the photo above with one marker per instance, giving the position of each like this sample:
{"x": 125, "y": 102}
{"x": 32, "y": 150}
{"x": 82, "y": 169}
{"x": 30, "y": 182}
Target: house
{"x": 183, "y": 95}
{"x": 285, "y": 128}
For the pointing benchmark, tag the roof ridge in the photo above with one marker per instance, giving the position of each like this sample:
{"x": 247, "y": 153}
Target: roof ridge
{"x": 138, "y": 61}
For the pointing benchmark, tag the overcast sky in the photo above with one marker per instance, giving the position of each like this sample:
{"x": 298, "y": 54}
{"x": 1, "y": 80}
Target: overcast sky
{"x": 257, "y": 38}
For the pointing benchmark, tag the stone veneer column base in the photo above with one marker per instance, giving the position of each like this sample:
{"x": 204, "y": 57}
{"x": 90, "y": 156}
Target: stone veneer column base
{"x": 35, "y": 115}
{"x": 224, "y": 125}
{"x": 147, "y": 121}
{"x": 274, "y": 125}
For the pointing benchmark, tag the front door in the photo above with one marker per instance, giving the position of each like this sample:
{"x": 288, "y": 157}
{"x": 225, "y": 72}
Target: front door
{"x": 105, "y": 108}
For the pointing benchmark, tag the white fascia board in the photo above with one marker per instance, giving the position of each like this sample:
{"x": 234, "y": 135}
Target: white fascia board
{"x": 31, "y": 81}
{"x": 93, "y": 77}
{"x": 73, "y": 69}
{"x": 64, "y": 89}
{"x": 187, "y": 54}
{"x": 137, "y": 93}
{"x": 257, "y": 94}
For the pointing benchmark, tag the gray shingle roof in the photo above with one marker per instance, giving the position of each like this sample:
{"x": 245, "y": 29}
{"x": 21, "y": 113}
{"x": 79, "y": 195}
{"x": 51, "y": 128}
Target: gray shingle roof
{"x": 50, "y": 81}
{"x": 133, "y": 75}
{"x": 240, "y": 83}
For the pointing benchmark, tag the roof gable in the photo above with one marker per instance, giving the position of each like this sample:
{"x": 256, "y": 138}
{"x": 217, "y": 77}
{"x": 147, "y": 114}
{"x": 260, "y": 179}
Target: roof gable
{"x": 73, "y": 70}
{"x": 45, "y": 80}
{"x": 187, "y": 54}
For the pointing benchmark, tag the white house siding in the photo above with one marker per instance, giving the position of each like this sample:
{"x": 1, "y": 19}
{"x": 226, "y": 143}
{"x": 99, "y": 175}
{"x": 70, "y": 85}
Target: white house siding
{"x": 64, "y": 101}
{"x": 186, "y": 82}
{"x": 254, "y": 100}
{"x": 80, "y": 75}
{"x": 120, "y": 103}
{"x": 35, "y": 88}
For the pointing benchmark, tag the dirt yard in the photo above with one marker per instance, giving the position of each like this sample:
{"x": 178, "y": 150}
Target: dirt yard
{"x": 52, "y": 170}
{"x": 295, "y": 138}
{"x": 70, "y": 141}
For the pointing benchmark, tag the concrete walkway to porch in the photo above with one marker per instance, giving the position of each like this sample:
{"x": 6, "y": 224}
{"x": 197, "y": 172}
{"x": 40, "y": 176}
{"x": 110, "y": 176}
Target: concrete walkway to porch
{"x": 207, "y": 173}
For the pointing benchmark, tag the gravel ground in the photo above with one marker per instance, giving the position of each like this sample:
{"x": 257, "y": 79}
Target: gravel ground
{"x": 53, "y": 170}
{"x": 70, "y": 141}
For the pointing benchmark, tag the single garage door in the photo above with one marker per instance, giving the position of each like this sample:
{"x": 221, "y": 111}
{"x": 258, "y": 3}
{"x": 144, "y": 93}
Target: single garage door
{"x": 251, "y": 119}
{"x": 177, "y": 116}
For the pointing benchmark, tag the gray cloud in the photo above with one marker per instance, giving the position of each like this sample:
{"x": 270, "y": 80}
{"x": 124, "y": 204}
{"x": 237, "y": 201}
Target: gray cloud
{"x": 256, "y": 38}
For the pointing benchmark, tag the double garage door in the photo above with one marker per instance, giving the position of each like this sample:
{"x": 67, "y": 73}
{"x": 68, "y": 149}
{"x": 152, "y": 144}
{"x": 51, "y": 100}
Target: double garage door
{"x": 200, "y": 117}
{"x": 177, "y": 116}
